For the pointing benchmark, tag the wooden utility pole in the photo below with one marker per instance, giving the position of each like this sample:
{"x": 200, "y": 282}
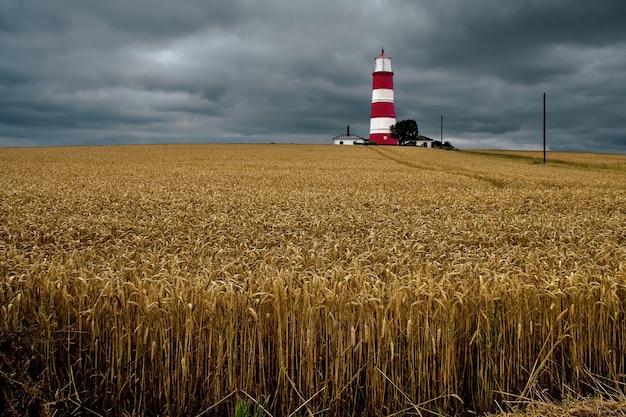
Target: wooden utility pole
{"x": 544, "y": 128}
{"x": 441, "y": 133}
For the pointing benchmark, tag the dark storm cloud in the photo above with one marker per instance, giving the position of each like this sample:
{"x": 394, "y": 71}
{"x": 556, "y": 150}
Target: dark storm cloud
{"x": 485, "y": 65}
{"x": 76, "y": 72}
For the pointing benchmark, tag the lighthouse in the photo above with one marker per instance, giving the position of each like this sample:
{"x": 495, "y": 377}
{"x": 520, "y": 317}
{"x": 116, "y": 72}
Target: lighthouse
{"x": 383, "y": 108}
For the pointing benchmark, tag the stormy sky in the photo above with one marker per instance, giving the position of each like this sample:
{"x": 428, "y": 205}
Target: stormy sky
{"x": 76, "y": 72}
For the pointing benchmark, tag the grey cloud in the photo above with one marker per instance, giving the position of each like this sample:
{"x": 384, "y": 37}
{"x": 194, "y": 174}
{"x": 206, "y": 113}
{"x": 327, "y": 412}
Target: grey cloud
{"x": 212, "y": 71}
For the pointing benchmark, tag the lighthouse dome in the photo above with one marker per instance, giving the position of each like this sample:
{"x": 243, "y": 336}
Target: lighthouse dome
{"x": 383, "y": 62}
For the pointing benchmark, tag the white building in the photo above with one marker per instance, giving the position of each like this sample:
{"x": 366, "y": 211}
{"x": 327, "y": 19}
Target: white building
{"x": 425, "y": 142}
{"x": 348, "y": 139}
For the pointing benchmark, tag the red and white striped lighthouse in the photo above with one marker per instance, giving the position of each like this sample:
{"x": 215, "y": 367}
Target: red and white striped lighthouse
{"x": 383, "y": 108}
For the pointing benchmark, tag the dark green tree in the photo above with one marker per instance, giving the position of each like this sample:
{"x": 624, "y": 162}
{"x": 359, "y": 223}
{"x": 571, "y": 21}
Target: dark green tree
{"x": 405, "y": 132}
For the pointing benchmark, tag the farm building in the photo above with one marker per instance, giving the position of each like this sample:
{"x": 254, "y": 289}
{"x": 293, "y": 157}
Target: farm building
{"x": 348, "y": 139}
{"x": 423, "y": 141}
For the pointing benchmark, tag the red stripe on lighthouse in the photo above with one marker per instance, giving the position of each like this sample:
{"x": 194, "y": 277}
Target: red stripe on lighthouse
{"x": 383, "y": 80}
{"x": 383, "y": 109}
{"x": 383, "y": 139}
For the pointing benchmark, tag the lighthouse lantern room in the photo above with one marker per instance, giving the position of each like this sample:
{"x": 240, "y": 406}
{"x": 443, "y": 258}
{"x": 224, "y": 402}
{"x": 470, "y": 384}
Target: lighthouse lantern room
{"x": 383, "y": 114}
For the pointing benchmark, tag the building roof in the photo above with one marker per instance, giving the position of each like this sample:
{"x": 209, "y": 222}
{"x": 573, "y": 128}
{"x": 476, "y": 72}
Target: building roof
{"x": 343, "y": 136}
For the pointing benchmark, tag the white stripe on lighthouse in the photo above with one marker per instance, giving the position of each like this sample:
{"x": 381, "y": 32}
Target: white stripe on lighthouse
{"x": 381, "y": 124}
{"x": 382, "y": 94}
{"x": 383, "y": 65}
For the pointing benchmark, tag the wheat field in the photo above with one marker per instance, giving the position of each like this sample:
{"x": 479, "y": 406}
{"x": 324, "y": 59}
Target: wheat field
{"x": 177, "y": 280}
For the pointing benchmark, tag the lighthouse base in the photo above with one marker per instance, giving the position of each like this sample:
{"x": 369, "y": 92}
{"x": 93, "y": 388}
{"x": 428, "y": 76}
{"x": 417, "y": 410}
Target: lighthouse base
{"x": 383, "y": 139}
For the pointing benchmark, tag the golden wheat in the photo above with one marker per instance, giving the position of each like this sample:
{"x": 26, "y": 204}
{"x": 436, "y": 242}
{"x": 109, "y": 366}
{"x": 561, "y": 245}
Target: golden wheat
{"x": 172, "y": 280}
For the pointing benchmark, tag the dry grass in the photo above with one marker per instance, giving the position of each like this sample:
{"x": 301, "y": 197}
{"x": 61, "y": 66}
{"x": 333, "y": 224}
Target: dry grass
{"x": 580, "y": 160}
{"x": 174, "y": 280}
{"x": 575, "y": 408}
